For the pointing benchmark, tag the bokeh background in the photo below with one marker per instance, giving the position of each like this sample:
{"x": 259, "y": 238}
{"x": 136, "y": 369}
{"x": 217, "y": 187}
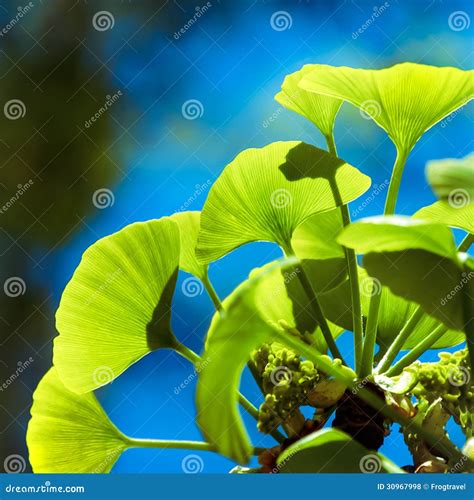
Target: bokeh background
{"x": 184, "y": 99}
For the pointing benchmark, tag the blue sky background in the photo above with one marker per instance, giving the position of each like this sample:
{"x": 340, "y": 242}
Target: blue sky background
{"x": 232, "y": 61}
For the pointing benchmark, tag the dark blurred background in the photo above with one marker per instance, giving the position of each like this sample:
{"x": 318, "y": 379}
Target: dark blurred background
{"x": 174, "y": 102}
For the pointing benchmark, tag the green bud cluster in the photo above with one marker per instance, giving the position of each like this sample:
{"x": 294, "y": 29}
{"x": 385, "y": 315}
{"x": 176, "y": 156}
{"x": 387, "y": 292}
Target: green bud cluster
{"x": 449, "y": 379}
{"x": 286, "y": 381}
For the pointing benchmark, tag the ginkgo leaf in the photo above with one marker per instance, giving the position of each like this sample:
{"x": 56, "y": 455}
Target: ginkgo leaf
{"x": 398, "y": 233}
{"x": 189, "y": 225}
{"x": 331, "y": 450}
{"x": 69, "y": 432}
{"x": 461, "y": 217}
{"x": 452, "y": 179}
{"x": 436, "y": 283}
{"x": 319, "y": 109}
{"x": 117, "y": 306}
{"x": 264, "y": 194}
{"x": 315, "y": 238}
{"x": 251, "y": 318}
{"x": 405, "y": 100}
{"x": 395, "y": 312}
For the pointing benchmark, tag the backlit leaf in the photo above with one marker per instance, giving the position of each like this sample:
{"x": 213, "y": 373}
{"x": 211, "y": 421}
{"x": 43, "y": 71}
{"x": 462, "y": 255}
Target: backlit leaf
{"x": 405, "y": 100}
{"x": 189, "y": 225}
{"x": 452, "y": 179}
{"x": 251, "y": 318}
{"x": 319, "y": 109}
{"x": 397, "y": 233}
{"x": 461, "y": 217}
{"x": 117, "y": 306}
{"x": 264, "y": 194}
{"x": 69, "y": 432}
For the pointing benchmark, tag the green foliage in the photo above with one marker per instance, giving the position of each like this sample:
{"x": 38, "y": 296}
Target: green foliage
{"x": 449, "y": 381}
{"x": 264, "y": 194}
{"x": 401, "y": 99}
{"x": 286, "y": 381}
{"x": 331, "y": 450}
{"x": 70, "y": 432}
{"x": 413, "y": 291}
{"x": 117, "y": 306}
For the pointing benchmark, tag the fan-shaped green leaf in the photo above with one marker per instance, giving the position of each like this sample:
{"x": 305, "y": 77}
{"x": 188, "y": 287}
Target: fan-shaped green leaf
{"x": 251, "y": 318}
{"x": 405, "y": 100}
{"x": 264, "y": 194}
{"x": 397, "y": 233}
{"x": 426, "y": 278}
{"x": 452, "y": 179}
{"x": 315, "y": 238}
{"x": 331, "y": 450}
{"x": 395, "y": 312}
{"x": 117, "y": 306}
{"x": 69, "y": 432}
{"x": 189, "y": 225}
{"x": 319, "y": 109}
{"x": 443, "y": 212}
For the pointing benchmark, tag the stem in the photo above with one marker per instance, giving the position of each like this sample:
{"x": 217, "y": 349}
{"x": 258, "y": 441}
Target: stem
{"x": 177, "y": 445}
{"x": 353, "y": 273}
{"x": 342, "y": 374}
{"x": 318, "y": 312}
{"x": 466, "y": 243}
{"x": 400, "y": 340}
{"x": 366, "y": 366}
{"x": 395, "y": 181}
{"x": 211, "y": 292}
{"x": 417, "y": 351}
